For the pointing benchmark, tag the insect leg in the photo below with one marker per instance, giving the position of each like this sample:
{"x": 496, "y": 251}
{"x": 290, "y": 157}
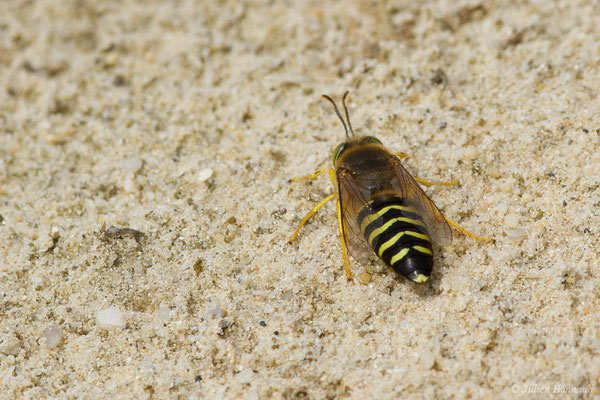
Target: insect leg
{"x": 427, "y": 183}
{"x": 402, "y": 155}
{"x": 344, "y": 252}
{"x": 465, "y": 232}
{"x": 313, "y": 176}
{"x": 311, "y": 213}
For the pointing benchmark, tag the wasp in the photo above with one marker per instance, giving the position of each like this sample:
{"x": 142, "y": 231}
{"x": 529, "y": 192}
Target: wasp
{"x": 381, "y": 208}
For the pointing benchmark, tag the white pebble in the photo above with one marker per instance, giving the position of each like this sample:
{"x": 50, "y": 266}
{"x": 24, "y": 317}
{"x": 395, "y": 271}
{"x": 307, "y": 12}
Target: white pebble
{"x": 53, "y": 335}
{"x": 245, "y": 376}
{"x": 129, "y": 185}
{"x": 469, "y": 153}
{"x": 205, "y": 174}
{"x": 109, "y": 318}
{"x": 9, "y": 345}
{"x": 213, "y": 313}
{"x": 526, "y": 198}
{"x": 426, "y": 359}
{"x": 511, "y": 220}
{"x": 164, "y": 313}
{"x": 495, "y": 172}
{"x": 132, "y": 164}
{"x": 517, "y": 235}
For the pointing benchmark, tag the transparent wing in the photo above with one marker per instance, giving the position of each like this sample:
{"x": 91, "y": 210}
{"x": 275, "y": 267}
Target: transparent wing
{"x": 412, "y": 194}
{"x": 352, "y": 200}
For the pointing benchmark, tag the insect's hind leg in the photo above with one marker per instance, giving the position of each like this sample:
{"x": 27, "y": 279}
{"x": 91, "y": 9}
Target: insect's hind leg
{"x": 343, "y": 242}
{"x": 467, "y": 233}
{"x": 402, "y": 155}
{"x": 443, "y": 183}
{"x": 311, "y": 213}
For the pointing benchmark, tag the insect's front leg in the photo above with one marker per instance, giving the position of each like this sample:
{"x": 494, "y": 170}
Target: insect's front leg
{"x": 311, "y": 213}
{"x": 321, "y": 203}
{"x": 313, "y": 176}
{"x": 316, "y": 208}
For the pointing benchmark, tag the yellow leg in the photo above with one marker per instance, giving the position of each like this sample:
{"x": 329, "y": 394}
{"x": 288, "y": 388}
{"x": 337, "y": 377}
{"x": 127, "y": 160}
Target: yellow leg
{"x": 401, "y": 155}
{"x": 313, "y": 176}
{"x": 331, "y": 172}
{"x": 311, "y": 213}
{"x": 465, "y": 232}
{"x": 427, "y": 183}
{"x": 344, "y": 252}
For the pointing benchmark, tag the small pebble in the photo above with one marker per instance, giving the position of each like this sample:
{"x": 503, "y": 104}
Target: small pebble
{"x": 111, "y": 59}
{"x": 245, "y": 376}
{"x": 164, "y": 313}
{"x": 495, "y": 172}
{"x": 426, "y": 359}
{"x": 526, "y": 198}
{"x": 507, "y": 187}
{"x": 215, "y": 313}
{"x": 517, "y": 235}
{"x": 129, "y": 185}
{"x": 252, "y": 394}
{"x": 364, "y": 278}
{"x": 9, "y": 345}
{"x": 262, "y": 323}
{"x": 110, "y": 318}
{"x": 53, "y": 335}
{"x": 219, "y": 238}
{"x": 469, "y": 152}
{"x": 511, "y": 220}
{"x": 132, "y": 164}
{"x": 119, "y": 80}
{"x": 224, "y": 324}
{"x": 205, "y": 174}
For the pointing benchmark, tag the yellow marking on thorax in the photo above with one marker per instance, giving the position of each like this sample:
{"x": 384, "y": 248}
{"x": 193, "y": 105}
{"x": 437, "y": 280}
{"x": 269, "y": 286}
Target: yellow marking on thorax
{"x": 385, "y": 226}
{"x": 372, "y": 217}
{"x": 396, "y": 237}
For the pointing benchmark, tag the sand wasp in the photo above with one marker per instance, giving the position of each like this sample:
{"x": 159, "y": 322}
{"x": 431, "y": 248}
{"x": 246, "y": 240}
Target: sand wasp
{"x": 381, "y": 208}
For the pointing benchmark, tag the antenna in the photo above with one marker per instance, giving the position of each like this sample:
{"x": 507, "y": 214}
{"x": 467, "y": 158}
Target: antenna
{"x": 346, "y": 110}
{"x": 338, "y": 112}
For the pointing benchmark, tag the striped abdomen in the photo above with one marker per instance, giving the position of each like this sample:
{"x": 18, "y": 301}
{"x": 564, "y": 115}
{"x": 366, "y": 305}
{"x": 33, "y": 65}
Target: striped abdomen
{"x": 397, "y": 235}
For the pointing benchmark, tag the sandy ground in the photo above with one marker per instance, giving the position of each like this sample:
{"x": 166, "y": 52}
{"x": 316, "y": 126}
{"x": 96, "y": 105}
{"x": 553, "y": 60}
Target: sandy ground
{"x": 145, "y": 152}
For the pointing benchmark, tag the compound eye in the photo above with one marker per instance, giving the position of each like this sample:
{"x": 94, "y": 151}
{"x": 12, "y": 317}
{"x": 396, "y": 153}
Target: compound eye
{"x": 373, "y": 139}
{"x": 338, "y": 150}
